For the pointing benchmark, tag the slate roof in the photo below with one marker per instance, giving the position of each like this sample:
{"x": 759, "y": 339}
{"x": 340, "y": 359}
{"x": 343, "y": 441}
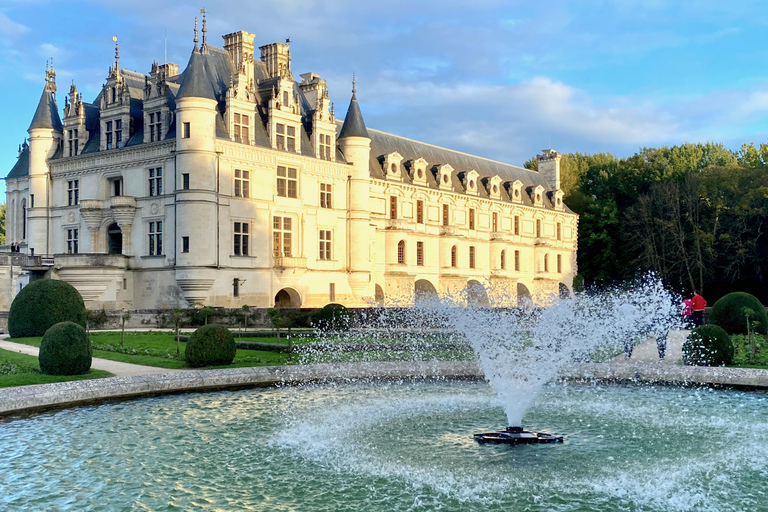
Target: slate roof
{"x": 21, "y": 168}
{"x": 207, "y": 74}
{"x": 47, "y": 113}
{"x": 353, "y": 126}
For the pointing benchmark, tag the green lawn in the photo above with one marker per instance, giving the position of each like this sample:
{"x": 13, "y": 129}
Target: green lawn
{"x": 21, "y": 370}
{"x": 158, "y": 349}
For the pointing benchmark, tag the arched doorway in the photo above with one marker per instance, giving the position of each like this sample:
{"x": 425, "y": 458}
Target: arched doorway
{"x": 114, "y": 239}
{"x": 564, "y": 292}
{"x": 287, "y": 298}
{"x": 424, "y": 291}
{"x": 379, "y": 295}
{"x": 523, "y": 296}
{"x": 477, "y": 295}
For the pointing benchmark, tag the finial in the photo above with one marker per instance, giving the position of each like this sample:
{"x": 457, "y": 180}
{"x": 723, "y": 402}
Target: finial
{"x": 204, "y": 27}
{"x": 117, "y": 53}
{"x": 195, "y": 33}
{"x": 354, "y": 82}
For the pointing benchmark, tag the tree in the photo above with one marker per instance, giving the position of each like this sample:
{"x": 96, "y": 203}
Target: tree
{"x": 124, "y": 318}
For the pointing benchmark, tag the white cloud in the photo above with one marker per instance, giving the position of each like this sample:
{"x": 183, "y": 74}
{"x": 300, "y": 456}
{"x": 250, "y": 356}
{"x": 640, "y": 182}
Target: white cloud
{"x": 9, "y": 29}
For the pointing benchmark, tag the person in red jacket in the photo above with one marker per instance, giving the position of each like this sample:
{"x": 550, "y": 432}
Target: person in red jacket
{"x": 698, "y": 308}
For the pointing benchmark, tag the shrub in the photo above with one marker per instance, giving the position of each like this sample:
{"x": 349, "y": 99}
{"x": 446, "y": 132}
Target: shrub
{"x": 43, "y": 303}
{"x": 209, "y": 345}
{"x": 65, "y": 350}
{"x": 731, "y": 313}
{"x": 708, "y": 345}
{"x": 332, "y": 317}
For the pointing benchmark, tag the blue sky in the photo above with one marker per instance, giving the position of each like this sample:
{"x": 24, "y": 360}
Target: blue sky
{"x": 501, "y": 79}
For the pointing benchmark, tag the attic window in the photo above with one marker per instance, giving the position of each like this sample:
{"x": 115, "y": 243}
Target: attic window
{"x": 445, "y": 178}
{"x": 517, "y": 193}
{"x": 559, "y": 201}
{"x": 419, "y": 173}
{"x": 472, "y": 184}
{"x": 495, "y": 189}
{"x": 393, "y": 168}
{"x": 538, "y": 197}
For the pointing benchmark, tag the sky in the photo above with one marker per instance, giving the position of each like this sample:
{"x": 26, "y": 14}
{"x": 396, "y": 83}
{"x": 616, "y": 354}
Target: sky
{"x": 499, "y": 79}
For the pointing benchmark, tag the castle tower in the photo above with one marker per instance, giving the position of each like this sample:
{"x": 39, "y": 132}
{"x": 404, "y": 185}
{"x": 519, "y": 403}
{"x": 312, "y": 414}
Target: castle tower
{"x": 45, "y": 133}
{"x": 549, "y": 167}
{"x": 355, "y": 144}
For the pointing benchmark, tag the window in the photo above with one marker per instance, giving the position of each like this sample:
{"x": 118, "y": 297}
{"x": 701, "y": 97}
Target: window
{"x": 287, "y": 181}
{"x": 471, "y": 218}
{"x": 546, "y": 263}
{"x": 285, "y": 98}
{"x": 420, "y": 212}
{"x": 325, "y": 146}
{"x": 420, "y": 254}
{"x": 156, "y": 181}
{"x": 155, "y": 126}
{"x": 74, "y": 143}
{"x": 236, "y": 287}
{"x": 559, "y": 263}
{"x": 155, "y": 238}
{"x": 185, "y": 181}
{"x": 517, "y": 261}
{"x": 503, "y": 260}
{"x": 241, "y": 239}
{"x": 118, "y": 133}
{"x": 242, "y": 183}
{"x": 114, "y": 94}
{"x": 185, "y": 131}
{"x": 108, "y": 131}
{"x": 242, "y": 125}
{"x": 325, "y": 244}
{"x": 454, "y": 256}
{"x": 538, "y": 228}
{"x": 495, "y": 222}
{"x": 471, "y": 256}
{"x": 31, "y": 200}
{"x": 559, "y": 231}
{"x": 401, "y": 252}
{"x": 72, "y": 241}
{"x": 332, "y": 292}
{"x": 517, "y": 225}
{"x": 325, "y": 195}
{"x": 73, "y": 192}
{"x": 286, "y": 137}
{"x": 117, "y": 187}
{"x": 185, "y": 244}
{"x": 392, "y": 207}
{"x": 446, "y": 215}
{"x": 281, "y": 237}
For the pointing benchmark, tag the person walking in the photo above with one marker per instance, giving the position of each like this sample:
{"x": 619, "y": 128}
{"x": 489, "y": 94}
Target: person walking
{"x": 687, "y": 311}
{"x": 697, "y": 305}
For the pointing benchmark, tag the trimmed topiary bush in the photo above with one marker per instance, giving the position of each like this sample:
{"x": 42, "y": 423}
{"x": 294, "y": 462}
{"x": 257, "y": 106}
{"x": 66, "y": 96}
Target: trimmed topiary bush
{"x": 210, "y": 345}
{"x": 730, "y": 313}
{"x": 332, "y": 317}
{"x": 65, "y": 350}
{"x": 708, "y": 345}
{"x": 42, "y": 304}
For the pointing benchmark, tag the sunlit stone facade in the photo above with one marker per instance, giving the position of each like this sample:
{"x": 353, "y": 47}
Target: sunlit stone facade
{"x": 233, "y": 183}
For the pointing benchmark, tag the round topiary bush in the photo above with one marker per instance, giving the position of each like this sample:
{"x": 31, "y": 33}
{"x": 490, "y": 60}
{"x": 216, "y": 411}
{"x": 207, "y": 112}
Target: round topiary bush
{"x": 210, "y": 345}
{"x": 708, "y": 345}
{"x": 43, "y": 303}
{"x": 332, "y": 317}
{"x": 65, "y": 350}
{"x": 730, "y": 313}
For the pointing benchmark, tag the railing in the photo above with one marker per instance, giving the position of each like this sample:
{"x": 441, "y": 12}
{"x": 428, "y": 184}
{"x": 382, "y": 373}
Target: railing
{"x": 37, "y": 261}
{"x": 290, "y": 262}
{"x": 449, "y": 230}
{"x": 398, "y": 224}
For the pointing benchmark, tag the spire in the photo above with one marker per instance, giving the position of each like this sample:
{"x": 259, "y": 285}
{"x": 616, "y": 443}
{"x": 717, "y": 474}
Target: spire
{"x": 47, "y": 113}
{"x": 117, "y": 54}
{"x": 196, "y": 49}
{"x": 204, "y": 28}
{"x": 353, "y": 126}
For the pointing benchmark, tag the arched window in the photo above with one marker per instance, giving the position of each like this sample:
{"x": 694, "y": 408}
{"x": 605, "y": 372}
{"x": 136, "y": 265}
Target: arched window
{"x": 401, "y": 251}
{"x": 503, "y": 260}
{"x": 454, "y": 256}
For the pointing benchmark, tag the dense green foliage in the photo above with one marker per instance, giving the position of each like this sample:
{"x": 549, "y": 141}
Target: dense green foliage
{"x": 65, "y": 350}
{"x": 694, "y": 214}
{"x": 210, "y": 345}
{"x": 739, "y": 313}
{"x": 332, "y": 317}
{"x": 43, "y": 303}
{"x": 708, "y": 345}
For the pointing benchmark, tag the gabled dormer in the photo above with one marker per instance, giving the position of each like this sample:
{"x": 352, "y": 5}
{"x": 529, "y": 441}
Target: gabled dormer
{"x": 444, "y": 178}
{"x": 557, "y": 199}
{"x": 515, "y": 190}
{"x": 470, "y": 182}
{"x": 157, "y": 98}
{"x": 392, "y": 166}
{"x": 418, "y": 171}
{"x": 75, "y": 131}
{"x": 282, "y": 102}
{"x": 323, "y": 121}
{"x": 493, "y": 186}
{"x": 115, "y": 108}
{"x": 537, "y": 195}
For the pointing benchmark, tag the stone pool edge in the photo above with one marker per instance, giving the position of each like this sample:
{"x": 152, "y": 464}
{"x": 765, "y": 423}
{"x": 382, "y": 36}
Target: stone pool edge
{"x": 22, "y": 400}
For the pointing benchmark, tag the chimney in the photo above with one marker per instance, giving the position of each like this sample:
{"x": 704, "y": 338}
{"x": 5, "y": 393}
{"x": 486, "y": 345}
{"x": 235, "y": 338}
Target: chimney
{"x": 549, "y": 167}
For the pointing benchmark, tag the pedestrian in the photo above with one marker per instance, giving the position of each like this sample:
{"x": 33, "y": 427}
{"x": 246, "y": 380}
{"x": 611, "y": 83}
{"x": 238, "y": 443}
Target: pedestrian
{"x": 697, "y": 305}
{"x": 687, "y": 311}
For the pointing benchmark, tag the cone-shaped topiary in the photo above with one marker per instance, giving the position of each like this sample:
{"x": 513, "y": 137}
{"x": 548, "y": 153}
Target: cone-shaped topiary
{"x": 708, "y": 345}
{"x": 65, "y": 350}
{"x": 731, "y": 312}
{"x": 43, "y": 303}
{"x": 210, "y": 345}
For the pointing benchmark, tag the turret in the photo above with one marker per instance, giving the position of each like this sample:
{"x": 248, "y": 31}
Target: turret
{"x": 549, "y": 167}
{"x": 355, "y": 144}
{"x": 45, "y": 133}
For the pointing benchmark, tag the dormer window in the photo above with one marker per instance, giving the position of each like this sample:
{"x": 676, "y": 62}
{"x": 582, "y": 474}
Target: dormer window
{"x": 391, "y": 165}
{"x": 515, "y": 191}
{"x": 155, "y": 126}
{"x": 114, "y": 94}
{"x": 74, "y": 143}
{"x": 494, "y": 187}
{"x": 538, "y": 196}
{"x": 114, "y": 131}
{"x": 558, "y": 200}
{"x": 325, "y": 147}
{"x": 419, "y": 171}
{"x": 285, "y": 98}
{"x": 242, "y": 128}
{"x": 286, "y": 137}
{"x": 444, "y": 176}
{"x": 470, "y": 182}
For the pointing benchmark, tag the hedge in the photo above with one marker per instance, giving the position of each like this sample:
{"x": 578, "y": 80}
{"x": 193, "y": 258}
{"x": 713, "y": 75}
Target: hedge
{"x": 42, "y": 304}
{"x": 708, "y": 345}
{"x": 210, "y": 345}
{"x": 730, "y": 313}
{"x": 65, "y": 350}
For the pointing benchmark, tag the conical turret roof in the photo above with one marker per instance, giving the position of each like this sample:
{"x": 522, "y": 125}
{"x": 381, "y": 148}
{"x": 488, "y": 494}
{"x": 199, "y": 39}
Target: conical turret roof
{"x": 195, "y": 81}
{"x": 353, "y": 126}
{"x": 47, "y": 113}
